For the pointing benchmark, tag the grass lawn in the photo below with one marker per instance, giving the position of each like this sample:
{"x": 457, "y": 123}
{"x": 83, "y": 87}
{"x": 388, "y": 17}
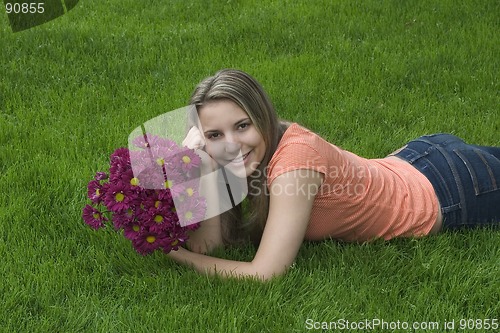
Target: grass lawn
{"x": 366, "y": 75}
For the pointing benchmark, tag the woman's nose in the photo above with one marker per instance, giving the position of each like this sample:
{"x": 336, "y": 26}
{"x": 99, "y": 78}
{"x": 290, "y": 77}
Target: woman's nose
{"x": 231, "y": 145}
{"x": 232, "y": 148}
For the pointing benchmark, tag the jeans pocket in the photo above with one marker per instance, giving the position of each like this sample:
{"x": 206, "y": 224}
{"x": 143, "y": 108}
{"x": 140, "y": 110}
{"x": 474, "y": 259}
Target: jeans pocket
{"x": 413, "y": 155}
{"x": 483, "y": 169}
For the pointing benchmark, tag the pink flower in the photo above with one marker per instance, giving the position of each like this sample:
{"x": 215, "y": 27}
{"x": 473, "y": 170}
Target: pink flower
{"x": 191, "y": 211}
{"x": 176, "y": 189}
{"x": 153, "y": 141}
{"x": 188, "y": 159}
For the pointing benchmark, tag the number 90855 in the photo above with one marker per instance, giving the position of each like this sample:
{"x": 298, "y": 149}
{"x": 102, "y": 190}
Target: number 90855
{"x": 25, "y": 8}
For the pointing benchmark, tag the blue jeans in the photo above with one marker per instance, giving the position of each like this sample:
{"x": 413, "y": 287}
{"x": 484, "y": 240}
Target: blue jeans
{"x": 466, "y": 178}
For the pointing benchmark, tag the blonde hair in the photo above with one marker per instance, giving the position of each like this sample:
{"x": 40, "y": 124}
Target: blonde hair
{"x": 248, "y": 94}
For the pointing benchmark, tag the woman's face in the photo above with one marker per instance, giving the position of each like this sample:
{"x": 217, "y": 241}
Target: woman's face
{"x": 231, "y": 137}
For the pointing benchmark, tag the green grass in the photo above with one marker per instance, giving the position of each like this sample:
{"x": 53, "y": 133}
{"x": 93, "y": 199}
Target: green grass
{"x": 366, "y": 75}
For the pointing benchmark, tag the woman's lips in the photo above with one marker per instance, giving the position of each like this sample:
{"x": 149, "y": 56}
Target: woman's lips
{"x": 243, "y": 158}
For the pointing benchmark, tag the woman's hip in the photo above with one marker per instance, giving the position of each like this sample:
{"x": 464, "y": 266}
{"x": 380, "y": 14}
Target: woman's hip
{"x": 466, "y": 178}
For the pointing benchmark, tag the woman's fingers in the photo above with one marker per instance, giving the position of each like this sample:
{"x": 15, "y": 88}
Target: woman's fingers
{"x": 208, "y": 164}
{"x": 194, "y": 139}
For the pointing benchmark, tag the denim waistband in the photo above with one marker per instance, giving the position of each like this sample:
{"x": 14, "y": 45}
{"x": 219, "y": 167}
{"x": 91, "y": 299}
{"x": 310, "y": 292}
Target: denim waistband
{"x": 466, "y": 178}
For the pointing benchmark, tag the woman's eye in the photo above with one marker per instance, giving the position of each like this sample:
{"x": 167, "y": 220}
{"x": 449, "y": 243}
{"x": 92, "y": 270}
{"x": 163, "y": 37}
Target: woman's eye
{"x": 243, "y": 126}
{"x": 213, "y": 136}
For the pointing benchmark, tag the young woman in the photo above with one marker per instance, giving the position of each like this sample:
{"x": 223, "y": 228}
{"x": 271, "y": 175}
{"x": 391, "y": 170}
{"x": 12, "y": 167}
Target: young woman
{"x": 304, "y": 188}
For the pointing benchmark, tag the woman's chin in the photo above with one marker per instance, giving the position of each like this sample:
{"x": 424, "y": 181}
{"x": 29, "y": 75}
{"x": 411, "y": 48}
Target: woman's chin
{"x": 236, "y": 168}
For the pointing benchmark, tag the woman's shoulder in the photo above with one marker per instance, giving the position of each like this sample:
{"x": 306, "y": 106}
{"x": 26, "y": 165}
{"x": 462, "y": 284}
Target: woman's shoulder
{"x": 296, "y": 133}
{"x": 299, "y": 148}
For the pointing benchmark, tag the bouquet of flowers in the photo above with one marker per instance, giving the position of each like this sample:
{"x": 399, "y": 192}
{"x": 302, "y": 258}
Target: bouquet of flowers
{"x": 150, "y": 193}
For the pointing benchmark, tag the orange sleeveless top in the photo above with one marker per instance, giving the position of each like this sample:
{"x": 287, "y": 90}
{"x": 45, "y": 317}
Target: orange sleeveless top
{"x": 360, "y": 199}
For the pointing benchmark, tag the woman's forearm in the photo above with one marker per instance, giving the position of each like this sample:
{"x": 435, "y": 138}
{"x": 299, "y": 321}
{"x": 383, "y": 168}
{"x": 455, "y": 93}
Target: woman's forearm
{"x": 217, "y": 266}
{"x": 209, "y": 189}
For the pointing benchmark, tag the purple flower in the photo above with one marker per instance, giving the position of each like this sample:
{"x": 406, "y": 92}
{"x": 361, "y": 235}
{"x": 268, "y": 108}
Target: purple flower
{"x": 191, "y": 211}
{"x": 118, "y": 197}
{"x": 162, "y": 221}
{"x": 186, "y": 190}
{"x": 176, "y": 189}
{"x": 95, "y": 191}
{"x": 151, "y": 177}
{"x": 153, "y": 141}
{"x": 188, "y": 159}
{"x": 165, "y": 196}
{"x": 182, "y": 165}
{"x": 93, "y": 217}
{"x": 146, "y": 242}
{"x": 122, "y": 219}
{"x": 119, "y": 163}
{"x": 120, "y": 156}
{"x": 132, "y": 230}
{"x": 140, "y": 191}
{"x": 173, "y": 240}
{"x": 101, "y": 176}
{"x": 127, "y": 177}
{"x": 156, "y": 199}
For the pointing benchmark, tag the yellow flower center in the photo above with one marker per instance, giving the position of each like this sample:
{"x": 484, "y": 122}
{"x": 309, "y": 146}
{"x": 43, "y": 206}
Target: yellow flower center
{"x": 190, "y": 191}
{"x": 97, "y": 192}
{"x": 150, "y": 239}
{"x": 160, "y": 161}
{"x": 158, "y": 219}
{"x": 96, "y": 215}
{"x": 119, "y": 197}
{"x": 186, "y": 159}
{"x": 174, "y": 243}
{"x": 134, "y": 181}
{"x": 168, "y": 184}
{"x": 157, "y": 203}
{"x": 135, "y": 227}
{"x": 188, "y": 215}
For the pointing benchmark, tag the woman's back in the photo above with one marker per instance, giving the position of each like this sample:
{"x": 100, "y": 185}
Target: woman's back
{"x": 360, "y": 199}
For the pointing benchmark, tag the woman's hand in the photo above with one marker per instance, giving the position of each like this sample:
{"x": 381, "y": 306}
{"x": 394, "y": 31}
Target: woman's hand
{"x": 178, "y": 254}
{"x": 195, "y": 140}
